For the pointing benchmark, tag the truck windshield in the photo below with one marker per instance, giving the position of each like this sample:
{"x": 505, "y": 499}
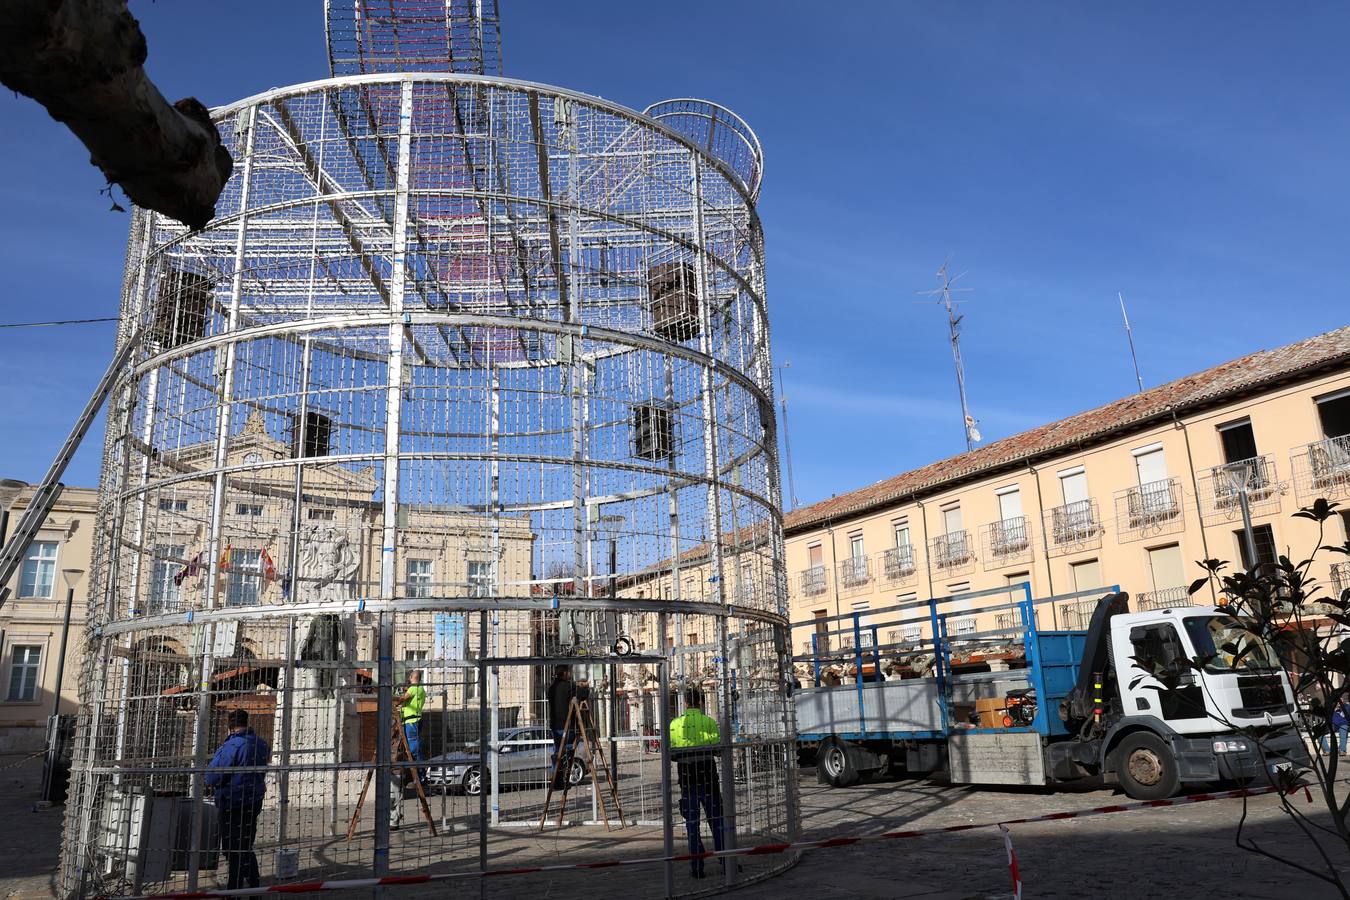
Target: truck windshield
{"x": 1233, "y": 647}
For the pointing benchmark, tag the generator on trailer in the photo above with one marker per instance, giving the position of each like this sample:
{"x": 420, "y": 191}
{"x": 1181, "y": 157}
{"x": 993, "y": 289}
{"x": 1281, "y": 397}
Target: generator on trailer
{"x": 1026, "y": 705}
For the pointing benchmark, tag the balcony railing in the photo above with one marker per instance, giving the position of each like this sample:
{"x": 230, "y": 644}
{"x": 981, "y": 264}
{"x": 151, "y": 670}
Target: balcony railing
{"x": 1077, "y": 615}
{"x": 1149, "y": 509}
{"x": 1008, "y": 536}
{"x": 1073, "y": 526}
{"x": 1154, "y": 500}
{"x": 1224, "y": 483}
{"x": 1340, "y": 577}
{"x": 897, "y": 562}
{"x": 1323, "y": 469}
{"x": 1167, "y": 598}
{"x": 813, "y": 580}
{"x": 951, "y": 550}
{"x": 854, "y": 572}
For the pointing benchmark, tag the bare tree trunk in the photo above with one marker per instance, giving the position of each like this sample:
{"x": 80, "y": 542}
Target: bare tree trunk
{"x": 82, "y": 60}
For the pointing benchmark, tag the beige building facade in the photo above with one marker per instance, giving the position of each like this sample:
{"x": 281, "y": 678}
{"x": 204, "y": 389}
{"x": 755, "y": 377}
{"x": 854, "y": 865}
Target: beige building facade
{"x": 32, "y": 616}
{"x": 1131, "y": 494}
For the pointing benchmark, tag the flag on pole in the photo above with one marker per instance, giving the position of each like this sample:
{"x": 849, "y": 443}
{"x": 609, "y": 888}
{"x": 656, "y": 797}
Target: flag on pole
{"x": 191, "y": 570}
{"x": 1012, "y": 862}
{"x": 269, "y": 568}
{"x": 225, "y": 558}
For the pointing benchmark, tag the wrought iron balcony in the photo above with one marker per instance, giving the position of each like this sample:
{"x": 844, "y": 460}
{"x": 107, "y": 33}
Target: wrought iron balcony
{"x": 951, "y": 550}
{"x": 1008, "y": 536}
{"x": 1323, "y": 469}
{"x": 813, "y": 580}
{"x": 1167, "y": 598}
{"x": 1340, "y": 577}
{"x": 898, "y": 562}
{"x": 1149, "y": 509}
{"x": 1073, "y": 526}
{"x": 1224, "y": 483}
{"x": 1076, "y": 615}
{"x": 854, "y": 572}
{"x": 1154, "y": 500}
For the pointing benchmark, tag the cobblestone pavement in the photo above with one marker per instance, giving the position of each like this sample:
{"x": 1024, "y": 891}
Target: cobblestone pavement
{"x": 1185, "y": 851}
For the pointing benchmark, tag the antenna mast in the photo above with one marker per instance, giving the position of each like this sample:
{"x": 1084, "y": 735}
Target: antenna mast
{"x": 968, "y": 422}
{"x": 1130, "y": 335}
{"x": 787, "y": 442}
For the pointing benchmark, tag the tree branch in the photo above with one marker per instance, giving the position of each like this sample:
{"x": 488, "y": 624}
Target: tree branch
{"x": 82, "y": 60}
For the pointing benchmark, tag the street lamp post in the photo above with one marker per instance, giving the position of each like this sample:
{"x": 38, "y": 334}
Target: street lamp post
{"x": 72, "y": 578}
{"x": 1240, "y": 478}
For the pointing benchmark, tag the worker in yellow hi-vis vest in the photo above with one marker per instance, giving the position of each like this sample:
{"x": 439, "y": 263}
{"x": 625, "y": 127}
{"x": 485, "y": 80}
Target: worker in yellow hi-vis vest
{"x": 410, "y": 714}
{"x": 694, "y": 743}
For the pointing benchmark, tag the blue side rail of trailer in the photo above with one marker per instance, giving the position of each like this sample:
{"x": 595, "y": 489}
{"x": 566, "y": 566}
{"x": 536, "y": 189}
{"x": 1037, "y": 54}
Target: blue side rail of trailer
{"x": 1045, "y": 660}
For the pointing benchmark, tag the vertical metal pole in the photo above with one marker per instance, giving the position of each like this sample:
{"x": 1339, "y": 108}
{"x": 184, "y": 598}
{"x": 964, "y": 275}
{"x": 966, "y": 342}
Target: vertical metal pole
{"x": 483, "y": 738}
{"x": 288, "y": 702}
{"x": 712, "y": 473}
{"x": 1248, "y": 534}
{"x": 384, "y": 748}
{"x": 220, "y": 460}
{"x": 494, "y": 494}
{"x": 393, "y": 406}
{"x": 663, "y": 725}
{"x": 53, "y": 721}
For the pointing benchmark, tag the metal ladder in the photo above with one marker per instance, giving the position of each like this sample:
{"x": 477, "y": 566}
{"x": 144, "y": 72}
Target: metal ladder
{"x": 49, "y": 489}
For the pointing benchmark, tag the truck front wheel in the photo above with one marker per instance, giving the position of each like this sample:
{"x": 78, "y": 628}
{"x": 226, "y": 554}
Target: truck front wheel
{"x": 1146, "y": 767}
{"x": 836, "y": 764}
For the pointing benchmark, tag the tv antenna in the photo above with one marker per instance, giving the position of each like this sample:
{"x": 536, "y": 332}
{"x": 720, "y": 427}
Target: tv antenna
{"x": 1130, "y": 335}
{"x": 787, "y": 442}
{"x": 943, "y": 295}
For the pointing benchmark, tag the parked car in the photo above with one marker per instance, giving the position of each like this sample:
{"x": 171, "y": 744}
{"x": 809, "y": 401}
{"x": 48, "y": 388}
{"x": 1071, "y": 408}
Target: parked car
{"x": 523, "y": 760}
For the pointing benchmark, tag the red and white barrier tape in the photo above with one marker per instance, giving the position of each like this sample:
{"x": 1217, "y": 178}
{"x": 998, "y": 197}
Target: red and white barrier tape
{"x": 305, "y": 887}
{"x": 1012, "y": 862}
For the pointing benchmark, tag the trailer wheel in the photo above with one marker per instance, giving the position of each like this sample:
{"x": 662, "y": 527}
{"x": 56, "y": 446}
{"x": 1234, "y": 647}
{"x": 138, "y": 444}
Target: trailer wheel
{"x": 836, "y": 764}
{"x": 1146, "y": 767}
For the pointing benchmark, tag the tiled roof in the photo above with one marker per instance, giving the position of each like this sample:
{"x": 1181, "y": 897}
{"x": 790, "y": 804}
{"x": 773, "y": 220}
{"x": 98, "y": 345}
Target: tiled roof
{"x": 1231, "y": 379}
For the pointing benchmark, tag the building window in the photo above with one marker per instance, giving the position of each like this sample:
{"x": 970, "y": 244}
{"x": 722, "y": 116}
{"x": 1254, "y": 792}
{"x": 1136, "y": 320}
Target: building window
{"x": 1166, "y": 566}
{"x": 1334, "y": 414}
{"x": 244, "y": 584}
{"x": 855, "y": 547}
{"x": 1150, "y": 464}
{"x": 951, "y": 519}
{"x": 902, "y": 538}
{"x": 414, "y": 655}
{"x": 1264, "y": 538}
{"x": 39, "y": 570}
{"x": 1073, "y": 485}
{"x": 24, "y": 668}
{"x": 1238, "y": 441}
{"x": 248, "y": 509}
{"x": 419, "y": 578}
{"x": 164, "y": 594}
{"x": 319, "y": 515}
{"x": 1017, "y": 578}
{"x": 167, "y": 504}
{"x": 480, "y": 578}
{"x": 1086, "y": 575}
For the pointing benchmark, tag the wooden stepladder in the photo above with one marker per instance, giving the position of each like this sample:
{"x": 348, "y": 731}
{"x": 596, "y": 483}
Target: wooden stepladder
{"x": 582, "y": 726}
{"x": 402, "y": 752}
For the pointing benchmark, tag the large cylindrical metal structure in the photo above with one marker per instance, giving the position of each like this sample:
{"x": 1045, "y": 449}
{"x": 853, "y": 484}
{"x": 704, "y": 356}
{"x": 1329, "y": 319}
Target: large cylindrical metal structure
{"x": 468, "y": 376}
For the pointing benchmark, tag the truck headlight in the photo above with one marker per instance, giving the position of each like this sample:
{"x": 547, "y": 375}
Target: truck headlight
{"x": 1230, "y": 746}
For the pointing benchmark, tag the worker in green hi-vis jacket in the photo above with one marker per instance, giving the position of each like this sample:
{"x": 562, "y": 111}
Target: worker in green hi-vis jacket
{"x": 694, "y": 742}
{"x": 410, "y": 714}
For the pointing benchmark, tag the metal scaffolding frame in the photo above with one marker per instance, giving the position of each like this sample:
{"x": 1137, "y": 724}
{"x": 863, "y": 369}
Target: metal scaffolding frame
{"x": 462, "y": 371}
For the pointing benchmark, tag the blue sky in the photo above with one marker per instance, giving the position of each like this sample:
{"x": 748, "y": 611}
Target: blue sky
{"x": 1191, "y": 155}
